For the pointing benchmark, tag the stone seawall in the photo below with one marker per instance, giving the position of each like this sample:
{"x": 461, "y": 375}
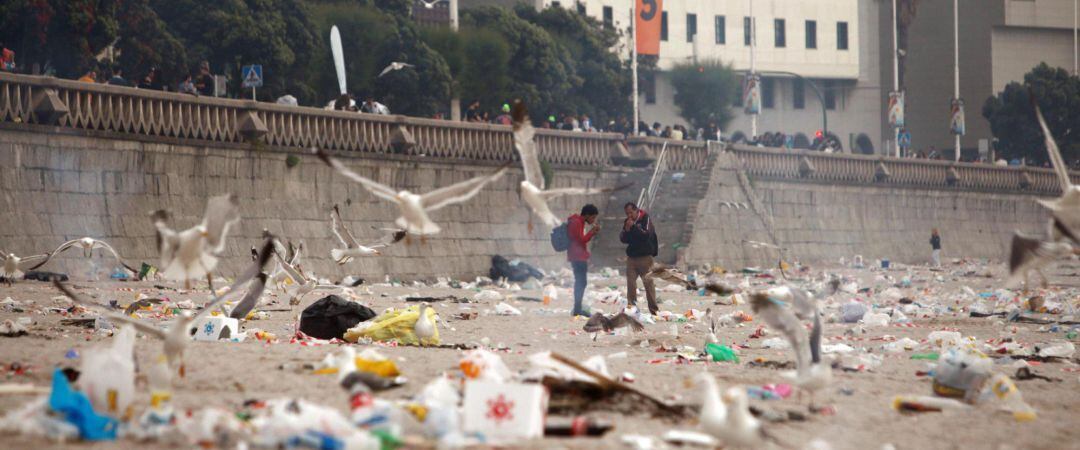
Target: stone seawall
{"x": 819, "y": 221}
{"x": 59, "y": 186}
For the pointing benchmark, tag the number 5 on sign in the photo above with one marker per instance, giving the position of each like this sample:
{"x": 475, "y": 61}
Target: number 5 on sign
{"x": 647, "y": 21}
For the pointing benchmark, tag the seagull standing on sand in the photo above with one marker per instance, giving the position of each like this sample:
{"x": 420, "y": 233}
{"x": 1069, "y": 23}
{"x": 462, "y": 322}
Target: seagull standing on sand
{"x": 415, "y": 207}
{"x": 191, "y": 254}
{"x": 424, "y": 327}
{"x": 811, "y": 373}
{"x": 533, "y": 191}
{"x": 392, "y": 67}
{"x": 88, "y": 245}
{"x": 352, "y": 247}
{"x": 13, "y": 265}
{"x": 728, "y": 417}
{"x": 176, "y": 338}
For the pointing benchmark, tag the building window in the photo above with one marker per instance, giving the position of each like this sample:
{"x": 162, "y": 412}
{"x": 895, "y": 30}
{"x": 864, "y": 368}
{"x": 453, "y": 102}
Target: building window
{"x": 746, "y": 30}
{"x": 555, "y": 4}
{"x": 609, "y": 20}
{"x": 737, "y": 101}
{"x": 811, "y": 34}
{"x": 768, "y": 93}
{"x": 781, "y": 36}
{"x": 581, "y": 8}
{"x": 798, "y": 91}
{"x": 830, "y": 95}
{"x": 721, "y": 30}
{"x": 663, "y": 26}
{"x": 691, "y": 27}
{"x": 841, "y": 36}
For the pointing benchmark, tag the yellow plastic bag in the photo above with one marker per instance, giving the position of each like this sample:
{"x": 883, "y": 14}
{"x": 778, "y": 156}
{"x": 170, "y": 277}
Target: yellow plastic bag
{"x": 394, "y": 325}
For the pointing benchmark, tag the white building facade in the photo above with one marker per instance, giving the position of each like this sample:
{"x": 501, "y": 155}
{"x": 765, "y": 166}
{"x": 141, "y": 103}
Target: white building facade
{"x": 830, "y": 43}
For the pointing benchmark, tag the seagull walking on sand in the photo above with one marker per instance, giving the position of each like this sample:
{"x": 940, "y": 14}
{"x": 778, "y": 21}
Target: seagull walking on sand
{"x": 811, "y": 373}
{"x": 392, "y": 67}
{"x": 533, "y": 191}
{"x": 87, "y": 244}
{"x": 192, "y": 253}
{"x": 415, "y": 207}
{"x": 352, "y": 247}
{"x": 13, "y": 265}
{"x": 176, "y": 338}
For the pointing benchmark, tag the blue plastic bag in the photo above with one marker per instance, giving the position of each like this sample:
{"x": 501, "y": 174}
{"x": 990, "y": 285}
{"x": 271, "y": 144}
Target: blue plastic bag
{"x": 76, "y": 409}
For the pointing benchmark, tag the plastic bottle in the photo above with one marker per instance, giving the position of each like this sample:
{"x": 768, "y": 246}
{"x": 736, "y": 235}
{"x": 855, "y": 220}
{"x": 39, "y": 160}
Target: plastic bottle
{"x": 1011, "y": 398}
{"x": 551, "y": 294}
{"x": 578, "y": 426}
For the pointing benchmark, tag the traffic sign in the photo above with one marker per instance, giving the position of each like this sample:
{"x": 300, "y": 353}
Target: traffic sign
{"x": 905, "y": 139}
{"x": 252, "y": 76}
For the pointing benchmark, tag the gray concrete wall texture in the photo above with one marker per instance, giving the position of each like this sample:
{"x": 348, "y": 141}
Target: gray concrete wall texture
{"x": 59, "y": 187}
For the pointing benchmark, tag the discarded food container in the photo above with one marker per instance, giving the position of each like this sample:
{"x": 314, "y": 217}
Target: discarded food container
{"x": 504, "y": 412}
{"x": 960, "y": 373}
{"x": 213, "y": 328}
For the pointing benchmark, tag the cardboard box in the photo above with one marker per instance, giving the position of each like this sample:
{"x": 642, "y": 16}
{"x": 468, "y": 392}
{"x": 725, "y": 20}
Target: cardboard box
{"x": 505, "y": 412}
{"x": 213, "y": 328}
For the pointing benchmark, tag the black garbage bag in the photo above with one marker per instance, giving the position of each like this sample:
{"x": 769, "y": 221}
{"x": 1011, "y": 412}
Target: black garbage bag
{"x": 40, "y": 275}
{"x": 330, "y": 316}
{"x": 501, "y": 268}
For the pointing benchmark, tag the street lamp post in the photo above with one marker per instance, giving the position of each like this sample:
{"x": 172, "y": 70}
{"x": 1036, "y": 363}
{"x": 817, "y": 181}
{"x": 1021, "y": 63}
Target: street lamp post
{"x": 895, "y": 76}
{"x": 956, "y": 67}
{"x": 817, "y": 91}
{"x": 753, "y": 42}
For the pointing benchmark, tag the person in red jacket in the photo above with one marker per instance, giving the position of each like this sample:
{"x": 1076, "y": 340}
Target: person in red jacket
{"x": 578, "y": 253}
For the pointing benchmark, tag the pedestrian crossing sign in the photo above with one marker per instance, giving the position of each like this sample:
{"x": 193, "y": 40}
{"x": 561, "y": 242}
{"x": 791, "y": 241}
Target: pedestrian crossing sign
{"x": 253, "y": 76}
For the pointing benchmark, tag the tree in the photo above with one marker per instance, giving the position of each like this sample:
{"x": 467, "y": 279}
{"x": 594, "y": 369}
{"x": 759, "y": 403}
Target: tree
{"x": 906, "y": 10}
{"x": 1012, "y": 118}
{"x": 704, "y": 92}
{"x": 64, "y": 36}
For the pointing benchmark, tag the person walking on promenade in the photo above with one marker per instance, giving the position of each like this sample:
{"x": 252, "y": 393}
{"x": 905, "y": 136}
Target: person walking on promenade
{"x": 935, "y": 246}
{"x": 639, "y": 235}
{"x": 578, "y": 253}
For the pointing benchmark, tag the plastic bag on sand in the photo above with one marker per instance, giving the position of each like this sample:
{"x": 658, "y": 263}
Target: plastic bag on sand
{"x": 481, "y": 364}
{"x": 903, "y": 344}
{"x": 76, "y": 410}
{"x": 852, "y": 311}
{"x": 776, "y": 343}
{"x": 488, "y": 295}
{"x": 944, "y": 339}
{"x": 504, "y": 309}
{"x": 285, "y": 422}
{"x": 876, "y": 320}
{"x": 394, "y": 325}
{"x": 892, "y": 295}
{"x": 108, "y": 374}
{"x": 442, "y": 418}
{"x": 1059, "y": 349}
{"x": 209, "y": 427}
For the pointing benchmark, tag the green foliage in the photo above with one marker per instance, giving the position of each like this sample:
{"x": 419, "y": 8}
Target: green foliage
{"x": 705, "y": 92}
{"x": 64, "y": 35}
{"x": 1012, "y": 118}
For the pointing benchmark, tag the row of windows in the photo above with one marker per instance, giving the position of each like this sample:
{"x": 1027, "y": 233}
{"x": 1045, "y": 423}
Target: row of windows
{"x": 768, "y": 92}
{"x": 720, "y": 29}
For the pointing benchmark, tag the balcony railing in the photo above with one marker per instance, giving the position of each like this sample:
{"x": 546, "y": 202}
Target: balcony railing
{"x": 129, "y": 112}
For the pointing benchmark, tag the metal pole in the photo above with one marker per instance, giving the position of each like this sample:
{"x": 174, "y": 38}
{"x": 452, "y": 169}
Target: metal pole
{"x": 753, "y": 41}
{"x": 1076, "y": 51}
{"x": 455, "y": 100}
{"x": 633, "y": 62}
{"x": 895, "y": 76}
{"x": 253, "y": 92}
{"x": 956, "y": 64}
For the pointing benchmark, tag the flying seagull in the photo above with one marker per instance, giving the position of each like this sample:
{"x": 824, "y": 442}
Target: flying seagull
{"x": 394, "y": 66}
{"x": 810, "y": 373}
{"x": 302, "y": 284}
{"x": 673, "y": 275}
{"x": 415, "y": 207}
{"x": 1066, "y": 208}
{"x": 1029, "y": 253}
{"x": 352, "y": 248}
{"x": 599, "y": 322}
{"x": 13, "y": 265}
{"x": 533, "y": 191}
{"x": 88, "y": 245}
{"x": 176, "y": 338}
{"x": 191, "y": 254}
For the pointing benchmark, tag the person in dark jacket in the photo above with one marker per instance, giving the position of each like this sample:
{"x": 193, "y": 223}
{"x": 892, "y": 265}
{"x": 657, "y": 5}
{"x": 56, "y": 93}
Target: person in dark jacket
{"x": 578, "y": 253}
{"x": 639, "y": 235}
{"x": 935, "y": 247}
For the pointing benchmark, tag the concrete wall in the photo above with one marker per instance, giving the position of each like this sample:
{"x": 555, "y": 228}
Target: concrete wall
{"x": 819, "y": 221}
{"x": 59, "y": 187}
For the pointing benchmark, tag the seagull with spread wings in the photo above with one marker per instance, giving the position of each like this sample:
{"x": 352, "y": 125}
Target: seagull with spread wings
{"x": 415, "y": 207}
{"x": 13, "y": 265}
{"x": 302, "y": 284}
{"x": 87, "y": 244}
{"x": 352, "y": 247}
{"x": 533, "y": 190}
{"x": 392, "y": 67}
{"x": 810, "y": 373}
{"x": 192, "y": 253}
{"x": 176, "y": 338}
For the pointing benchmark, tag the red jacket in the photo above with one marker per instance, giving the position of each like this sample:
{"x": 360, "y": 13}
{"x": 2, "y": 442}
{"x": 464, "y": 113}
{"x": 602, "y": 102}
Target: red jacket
{"x": 579, "y": 239}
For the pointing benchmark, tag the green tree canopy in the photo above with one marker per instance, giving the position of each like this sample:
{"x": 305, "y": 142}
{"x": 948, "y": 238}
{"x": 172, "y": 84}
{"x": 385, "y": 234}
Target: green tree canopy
{"x": 64, "y": 36}
{"x": 704, "y": 92}
{"x": 1012, "y": 118}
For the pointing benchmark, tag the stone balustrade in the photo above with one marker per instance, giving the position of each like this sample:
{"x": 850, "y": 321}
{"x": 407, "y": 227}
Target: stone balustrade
{"x": 134, "y": 112}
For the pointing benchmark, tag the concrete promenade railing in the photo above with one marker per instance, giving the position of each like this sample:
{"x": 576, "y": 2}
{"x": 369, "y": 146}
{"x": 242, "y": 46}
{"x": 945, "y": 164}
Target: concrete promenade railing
{"x": 138, "y": 112}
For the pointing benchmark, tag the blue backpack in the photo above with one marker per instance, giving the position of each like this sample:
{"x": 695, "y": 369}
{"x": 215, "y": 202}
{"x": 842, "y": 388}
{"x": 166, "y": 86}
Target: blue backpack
{"x": 560, "y": 238}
